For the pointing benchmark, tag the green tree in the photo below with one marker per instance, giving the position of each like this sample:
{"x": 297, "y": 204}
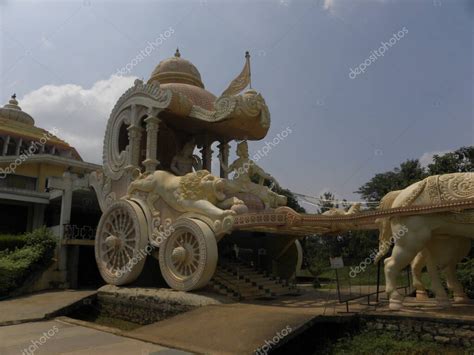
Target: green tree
{"x": 327, "y": 201}
{"x": 292, "y": 200}
{"x": 408, "y": 173}
{"x": 461, "y": 160}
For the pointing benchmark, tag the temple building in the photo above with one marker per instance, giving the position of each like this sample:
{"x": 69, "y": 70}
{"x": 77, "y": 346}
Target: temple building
{"x": 30, "y": 159}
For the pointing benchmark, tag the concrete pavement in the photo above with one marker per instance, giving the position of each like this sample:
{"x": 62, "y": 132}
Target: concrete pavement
{"x": 238, "y": 328}
{"x": 38, "y": 306}
{"x": 55, "y": 337}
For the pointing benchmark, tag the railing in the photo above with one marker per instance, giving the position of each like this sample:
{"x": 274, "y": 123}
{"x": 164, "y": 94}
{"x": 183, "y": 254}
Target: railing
{"x": 369, "y": 293}
{"x": 72, "y": 231}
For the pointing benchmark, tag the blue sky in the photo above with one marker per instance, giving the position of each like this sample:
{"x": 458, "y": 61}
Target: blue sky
{"x": 415, "y": 100}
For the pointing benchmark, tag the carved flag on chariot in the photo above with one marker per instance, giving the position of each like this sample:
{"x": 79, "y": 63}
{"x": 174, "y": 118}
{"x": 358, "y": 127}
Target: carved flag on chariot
{"x": 241, "y": 81}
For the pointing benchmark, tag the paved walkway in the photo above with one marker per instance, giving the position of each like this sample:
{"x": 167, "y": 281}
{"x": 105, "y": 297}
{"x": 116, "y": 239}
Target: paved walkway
{"x": 238, "y": 328}
{"x": 241, "y": 328}
{"x": 55, "y": 337}
{"x": 235, "y": 328}
{"x": 38, "y": 306}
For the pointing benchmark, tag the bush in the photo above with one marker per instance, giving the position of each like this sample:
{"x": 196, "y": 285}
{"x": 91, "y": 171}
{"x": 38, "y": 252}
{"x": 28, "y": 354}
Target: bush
{"x": 11, "y": 242}
{"x": 465, "y": 273}
{"x": 16, "y": 265}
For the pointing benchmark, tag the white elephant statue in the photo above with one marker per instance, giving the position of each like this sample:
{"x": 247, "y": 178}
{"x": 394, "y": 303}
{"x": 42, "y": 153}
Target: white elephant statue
{"x": 441, "y": 253}
{"x": 427, "y": 234}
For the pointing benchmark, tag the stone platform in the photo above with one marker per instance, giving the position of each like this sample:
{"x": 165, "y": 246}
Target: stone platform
{"x": 147, "y": 305}
{"x": 161, "y": 295}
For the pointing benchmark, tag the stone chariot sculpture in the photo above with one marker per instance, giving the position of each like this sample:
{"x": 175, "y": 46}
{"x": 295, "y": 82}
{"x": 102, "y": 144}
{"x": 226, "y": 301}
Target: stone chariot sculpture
{"x": 160, "y": 200}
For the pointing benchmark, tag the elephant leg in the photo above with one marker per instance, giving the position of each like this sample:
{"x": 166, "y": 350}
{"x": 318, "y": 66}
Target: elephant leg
{"x": 455, "y": 285}
{"x": 394, "y": 264}
{"x": 437, "y": 286}
{"x": 411, "y": 239}
{"x": 417, "y": 266}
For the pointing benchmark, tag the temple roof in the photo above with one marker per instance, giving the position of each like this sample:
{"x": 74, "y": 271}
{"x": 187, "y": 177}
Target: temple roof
{"x": 16, "y": 123}
{"x": 176, "y": 70}
{"x": 13, "y": 112}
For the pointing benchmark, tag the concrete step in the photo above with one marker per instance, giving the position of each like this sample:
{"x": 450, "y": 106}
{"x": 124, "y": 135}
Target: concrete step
{"x": 253, "y": 293}
{"x": 245, "y": 272}
{"x": 235, "y": 279}
{"x": 233, "y": 283}
{"x": 261, "y": 279}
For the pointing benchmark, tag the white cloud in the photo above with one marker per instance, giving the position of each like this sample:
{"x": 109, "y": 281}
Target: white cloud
{"x": 333, "y": 5}
{"x": 80, "y": 114}
{"x": 328, "y": 5}
{"x": 427, "y": 158}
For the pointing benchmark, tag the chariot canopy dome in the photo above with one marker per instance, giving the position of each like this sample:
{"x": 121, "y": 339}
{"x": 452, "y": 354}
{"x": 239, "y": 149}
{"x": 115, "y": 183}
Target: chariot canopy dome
{"x": 181, "y": 76}
{"x": 177, "y": 70}
{"x": 175, "y": 95}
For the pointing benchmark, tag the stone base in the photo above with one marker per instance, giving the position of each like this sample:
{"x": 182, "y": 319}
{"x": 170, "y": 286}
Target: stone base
{"x": 443, "y": 331}
{"x": 421, "y": 295}
{"x": 147, "y": 305}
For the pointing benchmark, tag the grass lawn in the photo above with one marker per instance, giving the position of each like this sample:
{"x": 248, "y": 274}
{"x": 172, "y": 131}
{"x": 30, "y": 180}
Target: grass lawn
{"x": 366, "y": 277}
{"x": 372, "y": 342}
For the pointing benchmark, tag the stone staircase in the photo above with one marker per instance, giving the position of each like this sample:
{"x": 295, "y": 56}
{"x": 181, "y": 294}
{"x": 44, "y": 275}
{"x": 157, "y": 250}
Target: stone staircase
{"x": 240, "y": 281}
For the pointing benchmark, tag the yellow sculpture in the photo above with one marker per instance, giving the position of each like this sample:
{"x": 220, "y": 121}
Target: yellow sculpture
{"x": 355, "y": 208}
{"x": 198, "y": 192}
{"x": 185, "y": 161}
{"x": 245, "y": 168}
{"x": 186, "y": 216}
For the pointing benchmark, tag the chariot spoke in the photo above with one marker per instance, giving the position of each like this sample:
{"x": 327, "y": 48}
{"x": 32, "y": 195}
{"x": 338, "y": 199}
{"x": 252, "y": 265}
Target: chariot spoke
{"x": 107, "y": 248}
{"x": 129, "y": 230}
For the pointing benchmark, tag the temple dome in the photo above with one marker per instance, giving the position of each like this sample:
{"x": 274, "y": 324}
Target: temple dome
{"x": 181, "y": 76}
{"x": 12, "y": 111}
{"x": 176, "y": 70}
{"x": 21, "y": 127}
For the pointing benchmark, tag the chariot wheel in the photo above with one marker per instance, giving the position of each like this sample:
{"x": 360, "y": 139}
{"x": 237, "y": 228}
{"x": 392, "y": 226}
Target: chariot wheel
{"x": 188, "y": 257}
{"x": 121, "y": 242}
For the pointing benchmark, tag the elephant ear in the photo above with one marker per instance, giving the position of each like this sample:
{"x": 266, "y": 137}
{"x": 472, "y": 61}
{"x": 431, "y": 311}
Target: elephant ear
{"x": 419, "y": 188}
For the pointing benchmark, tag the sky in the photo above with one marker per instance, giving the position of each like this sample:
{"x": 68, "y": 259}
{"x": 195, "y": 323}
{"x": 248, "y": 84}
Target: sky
{"x": 352, "y": 112}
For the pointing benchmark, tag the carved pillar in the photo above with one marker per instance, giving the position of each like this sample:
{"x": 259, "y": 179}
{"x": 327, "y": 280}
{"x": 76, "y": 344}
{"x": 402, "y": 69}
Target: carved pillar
{"x": 152, "y": 126}
{"x": 134, "y": 139}
{"x": 224, "y": 148}
{"x": 20, "y": 142}
{"x": 206, "y": 153}
{"x": 5, "y": 145}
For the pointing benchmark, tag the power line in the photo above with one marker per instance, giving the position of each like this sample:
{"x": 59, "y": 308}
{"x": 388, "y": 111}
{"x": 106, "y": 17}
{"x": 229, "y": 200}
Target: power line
{"x": 310, "y": 200}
